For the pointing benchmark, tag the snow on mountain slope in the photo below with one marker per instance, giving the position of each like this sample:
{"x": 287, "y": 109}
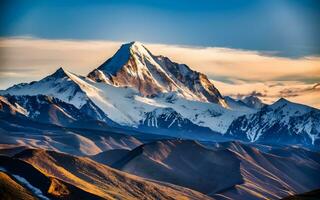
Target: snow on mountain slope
{"x": 168, "y": 118}
{"x": 174, "y": 86}
{"x": 236, "y": 104}
{"x": 165, "y": 118}
{"x": 13, "y": 109}
{"x": 62, "y": 85}
{"x": 204, "y": 114}
{"x": 58, "y": 84}
{"x": 126, "y": 105}
{"x": 253, "y": 102}
{"x": 135, "y": 66}
{"x": 308, "y": 123}
{"x": 50, "y": 110}
{"x": 282, "y": 121}
{"x": 289, "y": 109}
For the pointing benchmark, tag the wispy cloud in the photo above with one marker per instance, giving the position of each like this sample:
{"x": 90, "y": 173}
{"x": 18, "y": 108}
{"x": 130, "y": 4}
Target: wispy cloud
{"x": 270, "y": 91}
{"x": 27, "y": 59}
{"x": 237, "y": 64}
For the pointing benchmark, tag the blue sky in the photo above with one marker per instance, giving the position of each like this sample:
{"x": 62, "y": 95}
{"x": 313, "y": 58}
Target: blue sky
{"x": 286, "y": 27}
{"x": 269, "y": 47}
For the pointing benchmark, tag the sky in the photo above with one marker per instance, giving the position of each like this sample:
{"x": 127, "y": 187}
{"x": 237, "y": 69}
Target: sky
{"x": 267, "y": 48}
{"x": 287, "y": 27}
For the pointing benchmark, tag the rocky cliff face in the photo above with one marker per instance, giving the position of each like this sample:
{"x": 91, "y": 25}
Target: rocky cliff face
{"x": 135, "y": 66}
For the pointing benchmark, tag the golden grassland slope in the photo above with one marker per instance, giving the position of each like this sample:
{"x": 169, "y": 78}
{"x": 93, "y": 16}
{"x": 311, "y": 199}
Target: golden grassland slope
{"x": 102, "y": 180}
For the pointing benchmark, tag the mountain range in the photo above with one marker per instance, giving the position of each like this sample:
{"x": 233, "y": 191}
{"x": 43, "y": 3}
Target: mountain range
{"x": 141, "y": 126}
{"x": 136, "y": 89}
{"x": 163, "y": 169}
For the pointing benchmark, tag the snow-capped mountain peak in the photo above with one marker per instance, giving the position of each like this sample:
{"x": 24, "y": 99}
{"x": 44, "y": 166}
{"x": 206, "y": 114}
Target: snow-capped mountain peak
{"x": 281, "y": 121}
{"x": 122, "y": 56}
{"x": 126, "y": 53}
{"x": 138, "y": 89}
{"x": 253, "y": 102}
{"x": 59, "y": 73}
{"x": 138, "y": 48}
{"x": 289, "y": 108}
{"x": 60, "y": 84}
{"x": 280, "y": 103}
{"x": 133, "y": 65}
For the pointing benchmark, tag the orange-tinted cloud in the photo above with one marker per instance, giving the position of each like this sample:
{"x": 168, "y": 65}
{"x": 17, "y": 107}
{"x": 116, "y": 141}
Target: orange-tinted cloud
{"x": 271, "y": 91}
{"x": 27, "y": 59}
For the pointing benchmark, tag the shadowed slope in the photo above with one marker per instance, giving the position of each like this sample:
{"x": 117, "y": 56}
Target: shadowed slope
{"x": 102, "y": 180}
{"x": 110, "y": 157}
{"x": 277, "y": 174}
{"x": 50, "y": 110}
{"x": 21, "y": 131}
{"x": 282, "y": 122}
{"x": 11, "y": 150}
{"x": 185, "y": 163}
{"x": 313, "y": 195}
{"x": 269, "y": 176}
{"x": 41, "y": 185}
{"x": 10, "y": 189}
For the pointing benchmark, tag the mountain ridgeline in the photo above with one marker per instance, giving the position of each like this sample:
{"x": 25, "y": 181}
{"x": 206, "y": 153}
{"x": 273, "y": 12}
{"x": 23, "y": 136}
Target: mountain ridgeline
{"x": 139, "y": 91}
{"x": 141, "y": 126}
{"x": 135, "y": 66}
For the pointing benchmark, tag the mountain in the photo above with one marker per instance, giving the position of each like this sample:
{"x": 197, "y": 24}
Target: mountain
{"x": 75, "y": 90}
{"x": 110, "y": 157}
{"x": 6, "y": 108}
{"x": 123, "y": 104}
{"x": 137, "y": 90}
{"x": 59, "y": 85}
{"x": 271, "y": 175}
{"x": 134, "y": 66}
{"x": 297, "y": 153}
{"x": 141, "y": 126}
{"x": 236, "y": 104}
{"x": 229, "y": 170}
{"x": 224, "y": 170}
{"x": 11, "y": 151}
{"x": 34, "y": 184}
{"x": 253, "y": 102}
{"x": 167, "y": 118}
{"x": 10, "y": 189}
{"x": 282, "y": 122}
{"x": 101, "y": 180}
{"x": 20, "y": 131}
{"x": 48, "y": 109}
{"x": 185, "y": 163}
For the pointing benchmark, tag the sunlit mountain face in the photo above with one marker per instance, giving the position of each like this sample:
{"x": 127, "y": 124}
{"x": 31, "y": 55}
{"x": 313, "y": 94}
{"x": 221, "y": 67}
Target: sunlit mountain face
{"x": 206, "y": 114}
{"x": 156, "y": 124}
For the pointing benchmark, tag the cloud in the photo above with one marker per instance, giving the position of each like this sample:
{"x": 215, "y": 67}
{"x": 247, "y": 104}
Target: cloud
{"x": 243, "y": 65}
{"x": 271, "y": 91}
{"x": 260, "y": 73}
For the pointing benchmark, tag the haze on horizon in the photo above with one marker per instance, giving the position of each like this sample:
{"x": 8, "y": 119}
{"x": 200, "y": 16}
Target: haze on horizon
{"x": 266, "y": 48}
